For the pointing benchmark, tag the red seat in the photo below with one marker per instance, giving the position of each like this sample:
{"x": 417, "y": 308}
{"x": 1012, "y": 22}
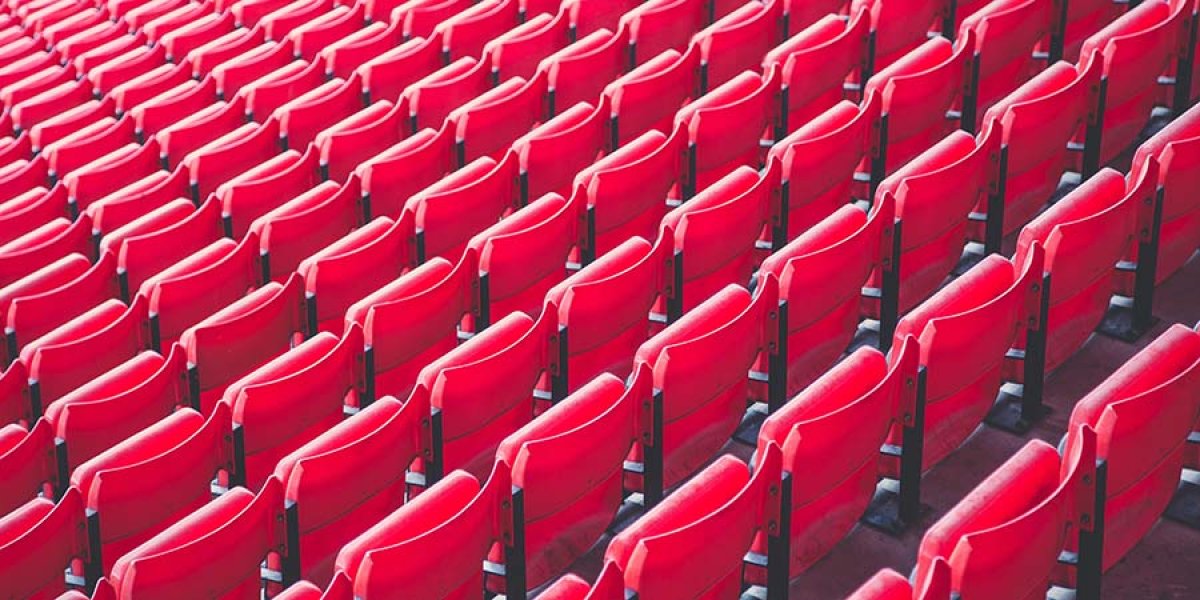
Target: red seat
{"x": 1084, "y": 19}
{"x": 466, "y": 33}
{"x": 262, "y": 189}
{"x": 206, "y": 57}
{"x": 173, "y": 105}
{"x": 140, "y": 257}
{"x": 448, "y": 213}
{"x": 30, "y": 210}
{"x": 344, "y": 56}
{"x": 890, "y": 585}
{"x": 553, "y": 153}
{"x": 524, "y": 255}
{"x": 484, "y": 389}
{"x": 832, "y": 432}
{"x": 822, "y": 273}
{"x": 151, "y": 480}
{"x": 125, "y": 67}
{"x": 142, "y": 196}
{"x": 590, "y": 16}
{"x": 237, "y": 72}
{"x": 421, "y": 18}
{"x": 432, "y": 547}
{"x": 724, "y": 127}
{"x": 290, "y": 400}
{"x": 815, "y": 64}
{"x": 116, "y": 405}
{"x": 726, "y": 504}
{"x": 42, "y": 246}
{"x": 340, "y": 588}
{"x": 32, "y": 316}
{"x": 310, "y": 38}
{"x": 41, "y": 540}
{"x": 1004, "y": 538}
{"x": 21, "y": 175}
{"x": 230, "y": 536}
{"x": 491, "y": 122}
{"x": 587, "y": 435}
{"x": 188, "y": 134}
{"x": 224, "y": 158}
{"x": 88, "y": 59}
{"x": 917, "y": 91}
{"x": 934, "y": 194}
{"x": 303, "y": 225}
{"x": 579, "y": 72}
{"x": 660, "y": 25}
{"x": 180, "y": 42}
{"x": 517, "y": 52}
{"x": 1085, "y": 234}
{"x": 603, "y": 311}
{"x": 283, "y": 20}
{"x": 433, "y": 97}
{"x": 412, "y": 321}
{"x": 111, "y": 172}
{"x": 1038, "y": 120}
{"x": 1135, "y": 49}
{"x": 390, "y": 177}
{"x": 347, "y": 479}
{"x": 627, "y": 190}
{"x": 965, "y": 331}
{"x": 250, "y": 12}
{"x": 1143, "y": 413}
{"x": 303, "y": 117}
{"x": 27, "y": 463}
{"x": 715, "y": 235}
{"x": 87, "y": 145}
{"x": 386, "y": 75}
{"x": 738, "y": 41}
{"x": 1006, "y": 34}
{"x": 60, "y": 98}
{"x": 241, "y": 337}
{"x": 351, "y": 141}
{"x": 649, "y": 96}
{"x": 62, "y": 124}
{"x": 701, "y": 363}
{"x": 352, "y": 267}
{"x": 48, "y": 278}
{"x": 901, "y": 26}
{"x": 267, "y": 93}
{"x": 1176, "y": 148}
{"x": 609, "y": 585}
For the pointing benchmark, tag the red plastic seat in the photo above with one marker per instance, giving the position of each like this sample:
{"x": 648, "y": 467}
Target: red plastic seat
{"x": 88, "y": 144}
{"x": 1143, "y": 413}
{"x": 306, "y": 115}
{"x": 230, "y": 536}
{"x": 517, "y": 52}
{"x": 1038, "y": 120}
{"x": 289, "y": 401}
{"x": 421, "y": 18}
{"x": 488, "y": 124}
{"x": 234, "y": 153}
{"x": 267, "y": 93}
{"x": 60, "y": 98}
{"x": 117, "y": 404}
{"x": 240, "y": 338}
{"x": 412, "y": 321}
{"x": 305, "y": 224}
{"x": 525, "y": 254}
{"x": 392, "y": 176}
{"x": 590, "y": 16}
{"x": 206, "y": 57}
{"x": 125, "y": 67}
{"x": 53, "y": 276}
{"x": 180, "y": 42}
{"x": 452, "y": 210}
{"x": 433, "y": 97}
{"x": 111, "y": 172}
{"x": 917, "y": 91}
{"x": 352, "y": 267}
{"x": 660, "y": 25}
{"x": 832, "y": 432}
{"x": 738, "y": 41}
{"x": 283, "y": 20}
{"x": 901, "y": 26}
{"x": 1085, "y": 234}
{"x": 250, "y": 12}
{"x": 343, "y": 57}
{"x": 190, "y": 133}
{"x": 588, "y": 435}
{"x": 175, "y": 104}
{"x": 1176, "y": 148}
{"x": 484, "y": 389}
{"x": 432, "y": 547}
{"x": 890, "y": 585}
{"x": 603, "y": 311}
{"x": 822, "y": 272}
{"x": 27, "y": 463}
{"x": 310, "y": 38}
{"x": 43, "y": 246}
{"x": 41, "y": 540}
{"x": 579, "y": 72}
{"x": 965, "y": 331}
{"x": 726, "y": 503}
{"x": 1135, "y": 49}
{"x": 1006, "y": 34}
{"x": 30, "y": 210}
{"x": 815, "y": 64}
{"x": 386, "y": 75}
{"x": 628, "y": 189}
{"x": 466, "y": 33}
{"x": 700, "y": 363}
{"x": 266, "y": 187}
{"x": 725, "y": 126}
{"x": 1004, "y": 538}
{"x": 130, "y": 202}
{"x": 347, "y": 479}
{"x": 237, "y": 72}
{"x": 649, "y": 96}
{"x": 154, "y": 478}
{"x": 716, "y": 232}
{"x": 32, "y": 316}
{"x": 140, "y": 257}
{"x": 354, "y": 139}
{"x": 67, "y": 122}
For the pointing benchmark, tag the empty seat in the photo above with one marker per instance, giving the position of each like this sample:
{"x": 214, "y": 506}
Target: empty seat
{"x": 240, "y": 337}
{"x": 890, "y": 585}
{"x": 141, "y": 256}
{"x": 32, "y": 316}
{"x": 411, "y": 321}
{"x": 234, "y": 153}
{"x": 292, "y": 399}
{"x": 466, "y": 33}
{"x": 344, "y": 56}
{"x": 173, "y": 105}
{"x": 230, "y": 536}
{"x": 517, "y": 52}
{"x": 1143, "y": 413}
{"x": 738, "y": 41}
{"x": 661, "y": 25}
{"x": 304, "y": 224}
{"x": 301, "y": 118}
{"x": 821, "y": 273}
{"x": 30, "y": 210}
{"x": 207, "y": 56}
{"x": 1004, "y": 538}
{"x": 356, "y": 138}
{"x": 456, "y": 207}
{"x": 589, "y": 16}
{"x": 815, "y": 64}
{"x": 27, "y": 463}
{"x": 267, "y": 93}
{"x": 336, "y": 23}
{"x": 432, "y": 547}
{"x": 484, "y": 389}
{"x": 1085, "y": 234}
{"x": 579, "y": 72}
{"x": 649, "y": 96}
{"x": 553, "y": 153}
{"x": 713, "y": 518}
{"x": 724, "y": 127}
{"x": 87, "y": 145}
{"x": 421, "y": 18}
{"x": 345, "y": 480}
{"x": 148, "y": 85}
{"x": 110, "y": 173}
{"x": 900, "y": 27}
{"x": 154, "y": 478}
{"x": 236, "y": 73}
{"x": 42, "y": 246}
{"x": 50, "y": 277}
{"x": 386, "y": 75}
{"x": 41, "y": 540}
{"x": 490, "y": 123}
{"x": 433, "y": 97}
{"x": 264, "y": 188}
{"x": 1006, "y": 34}
{"x": 965, "y": 331}
{"x": 390, "y": 177}
{"x": 701, "y": 363}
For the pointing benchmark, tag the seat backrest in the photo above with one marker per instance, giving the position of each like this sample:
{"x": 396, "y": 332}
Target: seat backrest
{"x": 230, "y": 536}
{"x": 31, "y": 316}
{"x": 816, "y": 61}
{"x": 1175, "y": 148}
{"x": 700, "y": 363}
{"x": 389, "y": 178}
{"x": 1006, "y": 33}
{"x": 27, "y": 464}
{"x": 484, "y": 388}
{"x": 466, "y": 33}
{"x": 726, "y": 125}
{"x": 579, "y": 72}
{"x": 294, "y": 398}
{"x": 1142, "y": 413}
{"x": 411, "y": 321}
{"x": 117, "y": 404}
{"x": 488, "y": 124}
{"x": 40, "y": 541}
{"x": 347, "y": 479}
{"x": 433, "y": 97}
{"x": 900, "y": 26}
{"x": 661, "y": 25}
{"x": 553, "y": 153}
{"x": 262, "y": 189}
{"x": 516, "y": 53}
{"x": 385, "y": 76}
{"x": 361, "y": 135}
{"x": 890, "y": 585}
{"x": 142, "y": 256}
{"x": 305, "y": 224}
{"x": 451, "y": 210}
{"x": 648, "y": 96}
{"x": 1136, "y": 48}
{"x": 43, "y": 246}
{"x": 152, "y": 479}
{"x": 568, "y": 462}
{"x": 432, "y": 547}
{"x": 738, "y": 40}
